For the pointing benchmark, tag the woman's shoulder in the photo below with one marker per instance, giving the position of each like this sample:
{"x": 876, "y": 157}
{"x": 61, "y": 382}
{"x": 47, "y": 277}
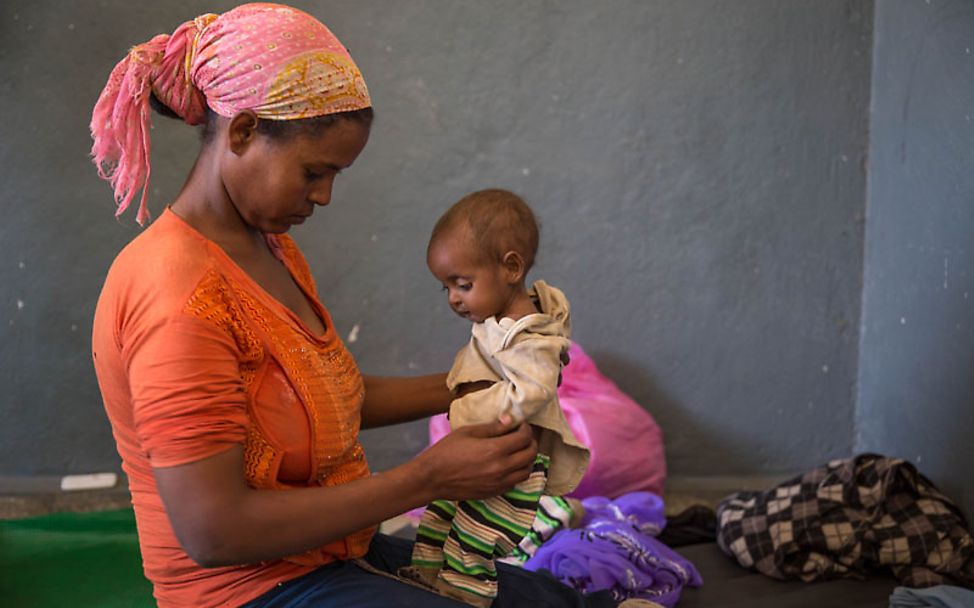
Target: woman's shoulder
{"x": 162, "y": 266}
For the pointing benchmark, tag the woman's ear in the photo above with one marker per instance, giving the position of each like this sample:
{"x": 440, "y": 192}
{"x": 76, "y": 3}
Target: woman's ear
{"x": 242, "y": 131}
{"x": 514, "y": 267}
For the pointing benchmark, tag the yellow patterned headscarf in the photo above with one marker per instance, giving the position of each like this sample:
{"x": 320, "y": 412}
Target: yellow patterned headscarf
{"x": 275, "y": 60}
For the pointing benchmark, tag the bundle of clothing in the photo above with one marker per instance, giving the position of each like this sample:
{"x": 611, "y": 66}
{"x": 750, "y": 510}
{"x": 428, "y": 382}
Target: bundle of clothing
{"x": 616, "y": 549}
{"x": 849, "y": 518}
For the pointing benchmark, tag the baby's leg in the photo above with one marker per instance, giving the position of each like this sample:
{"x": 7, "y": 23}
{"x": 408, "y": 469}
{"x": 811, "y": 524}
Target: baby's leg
{"x": 484, "y": 529}
{"x": 554, "y": 513}
{"x": 428, "y": 549}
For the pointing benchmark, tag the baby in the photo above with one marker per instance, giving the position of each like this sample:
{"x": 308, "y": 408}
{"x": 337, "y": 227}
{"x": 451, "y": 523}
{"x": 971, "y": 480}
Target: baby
{"x": 481, "y": 251}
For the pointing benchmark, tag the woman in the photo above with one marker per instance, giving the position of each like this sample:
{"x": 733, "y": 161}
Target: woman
{"x": 234, "y": 404}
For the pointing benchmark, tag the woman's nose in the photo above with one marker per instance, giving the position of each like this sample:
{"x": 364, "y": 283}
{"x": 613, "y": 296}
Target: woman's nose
{"x": 321, "y": 195}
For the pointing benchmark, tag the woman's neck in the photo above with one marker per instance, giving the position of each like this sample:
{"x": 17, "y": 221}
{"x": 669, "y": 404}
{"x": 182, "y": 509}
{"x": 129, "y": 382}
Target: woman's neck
{"x": 204, "y": 204}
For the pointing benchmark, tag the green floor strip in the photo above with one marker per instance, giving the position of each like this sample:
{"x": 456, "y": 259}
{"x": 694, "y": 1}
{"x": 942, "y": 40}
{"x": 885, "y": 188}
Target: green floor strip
{"x": 72, "y": 559}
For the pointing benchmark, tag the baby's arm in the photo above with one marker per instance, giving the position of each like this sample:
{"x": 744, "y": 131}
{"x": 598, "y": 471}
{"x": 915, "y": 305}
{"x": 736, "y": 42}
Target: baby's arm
{"x": 466, "y": 388}
{"x": 532, "y": 365}
{"x": 479, "y": 406}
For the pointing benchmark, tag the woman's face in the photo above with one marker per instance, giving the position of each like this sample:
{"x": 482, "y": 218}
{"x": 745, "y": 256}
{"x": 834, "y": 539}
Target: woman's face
{"x": 277, "y": 183}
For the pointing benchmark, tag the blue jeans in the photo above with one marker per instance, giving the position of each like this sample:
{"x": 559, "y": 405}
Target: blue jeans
{"x": 346, "y": 585}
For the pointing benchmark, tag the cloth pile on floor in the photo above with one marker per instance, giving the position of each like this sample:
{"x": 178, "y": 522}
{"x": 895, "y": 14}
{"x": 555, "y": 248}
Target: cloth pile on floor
{"x": 849, "y": 518}
{"x": 615, "y": 549}
{"x": 694, "y": 525}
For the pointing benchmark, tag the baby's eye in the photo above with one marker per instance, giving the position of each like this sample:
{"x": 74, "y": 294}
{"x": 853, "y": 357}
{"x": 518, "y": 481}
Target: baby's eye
{"x": 464, "y": 286}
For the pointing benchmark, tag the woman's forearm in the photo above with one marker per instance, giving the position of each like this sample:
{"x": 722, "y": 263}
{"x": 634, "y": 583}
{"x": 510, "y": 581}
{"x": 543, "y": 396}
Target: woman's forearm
{"x": 391, "y": 400}
{"x": 229, "y": 523}
{"x": 220, "y": 520}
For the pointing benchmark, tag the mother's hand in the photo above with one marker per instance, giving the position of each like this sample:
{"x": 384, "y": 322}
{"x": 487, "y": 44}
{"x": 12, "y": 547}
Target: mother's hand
{"x": 479, "y": 460}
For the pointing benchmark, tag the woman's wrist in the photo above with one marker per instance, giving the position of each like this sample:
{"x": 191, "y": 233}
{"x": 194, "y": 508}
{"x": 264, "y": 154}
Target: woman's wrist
{"x": 420, "y": 475}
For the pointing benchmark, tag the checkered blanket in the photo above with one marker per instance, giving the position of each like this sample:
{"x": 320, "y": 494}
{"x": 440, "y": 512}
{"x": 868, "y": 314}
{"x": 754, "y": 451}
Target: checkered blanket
{"x": 846, "y": 519}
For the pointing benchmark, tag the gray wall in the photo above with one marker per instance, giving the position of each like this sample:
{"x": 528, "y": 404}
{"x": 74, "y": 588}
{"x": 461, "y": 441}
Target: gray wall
{"x": 698, "y": 168}
{"x": 917, "y": 356}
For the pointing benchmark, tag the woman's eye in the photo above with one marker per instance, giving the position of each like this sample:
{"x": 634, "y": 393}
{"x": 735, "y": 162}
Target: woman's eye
{"x": 313, "y": 174}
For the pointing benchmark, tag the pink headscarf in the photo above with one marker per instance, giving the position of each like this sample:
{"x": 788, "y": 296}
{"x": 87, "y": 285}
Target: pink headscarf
{"x": 275, "y": 60}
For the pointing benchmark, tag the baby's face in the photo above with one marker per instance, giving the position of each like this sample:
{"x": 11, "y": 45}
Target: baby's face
{"x": 476, "y": 289}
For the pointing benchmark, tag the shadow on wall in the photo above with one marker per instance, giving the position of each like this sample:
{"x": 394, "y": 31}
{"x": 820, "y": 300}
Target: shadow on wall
{"x": 959, "y": 444}
{"x": 683, "y": 434}
{"x": 953, "y": 473}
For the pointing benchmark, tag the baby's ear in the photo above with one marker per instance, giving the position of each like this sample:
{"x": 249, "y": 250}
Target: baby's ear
{"x": 514, "y": 266}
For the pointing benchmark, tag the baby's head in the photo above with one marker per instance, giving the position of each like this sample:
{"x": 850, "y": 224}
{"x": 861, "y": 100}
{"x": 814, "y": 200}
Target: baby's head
{"x": 481, "y": 250}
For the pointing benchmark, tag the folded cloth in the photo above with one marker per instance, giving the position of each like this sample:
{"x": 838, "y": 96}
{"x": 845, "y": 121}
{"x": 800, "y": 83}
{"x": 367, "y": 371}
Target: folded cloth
{"x": 614, "y": 551}
{"x": 692, "y": 526}
{"x": 848, "y": 518}
{"x": 940, "y": 596}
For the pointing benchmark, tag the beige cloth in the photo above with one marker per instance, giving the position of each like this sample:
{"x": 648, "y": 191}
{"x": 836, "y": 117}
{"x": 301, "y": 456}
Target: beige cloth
{"x": 523, "y": 359}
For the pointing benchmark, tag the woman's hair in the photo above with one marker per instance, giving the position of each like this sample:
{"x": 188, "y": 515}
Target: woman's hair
{"x": 498, "y": 220}
{"x": 275, "y": 129}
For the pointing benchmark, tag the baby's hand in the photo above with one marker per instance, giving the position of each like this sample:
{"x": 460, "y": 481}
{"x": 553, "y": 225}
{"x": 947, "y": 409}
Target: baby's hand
{"x": 510, "y": 418}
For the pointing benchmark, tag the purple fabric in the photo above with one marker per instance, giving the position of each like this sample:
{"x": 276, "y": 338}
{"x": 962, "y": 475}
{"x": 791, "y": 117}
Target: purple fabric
{"x": 615, "y": 550}
{"x": 642, "y": 510}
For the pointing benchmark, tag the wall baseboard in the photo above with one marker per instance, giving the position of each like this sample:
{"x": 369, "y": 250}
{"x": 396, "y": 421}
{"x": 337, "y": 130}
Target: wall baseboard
{"x": 30, "y": 484}
{"x": 46, "y": 484}
{"x": 28, "y": 496}
{"x": 684, "y": 491}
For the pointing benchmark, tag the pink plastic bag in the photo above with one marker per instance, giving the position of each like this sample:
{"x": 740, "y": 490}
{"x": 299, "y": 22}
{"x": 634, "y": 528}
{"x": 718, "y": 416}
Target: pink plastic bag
{"x": 625, "y": 441}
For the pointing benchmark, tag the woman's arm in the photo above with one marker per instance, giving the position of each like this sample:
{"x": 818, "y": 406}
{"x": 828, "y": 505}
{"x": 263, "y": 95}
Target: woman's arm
{"x": 221, "y": 521}
{"x": 391, "y": 400}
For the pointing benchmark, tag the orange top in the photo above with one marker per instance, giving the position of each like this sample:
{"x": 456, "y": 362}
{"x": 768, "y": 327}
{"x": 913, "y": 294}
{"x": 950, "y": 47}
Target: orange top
{"x": 193, "y": 357}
